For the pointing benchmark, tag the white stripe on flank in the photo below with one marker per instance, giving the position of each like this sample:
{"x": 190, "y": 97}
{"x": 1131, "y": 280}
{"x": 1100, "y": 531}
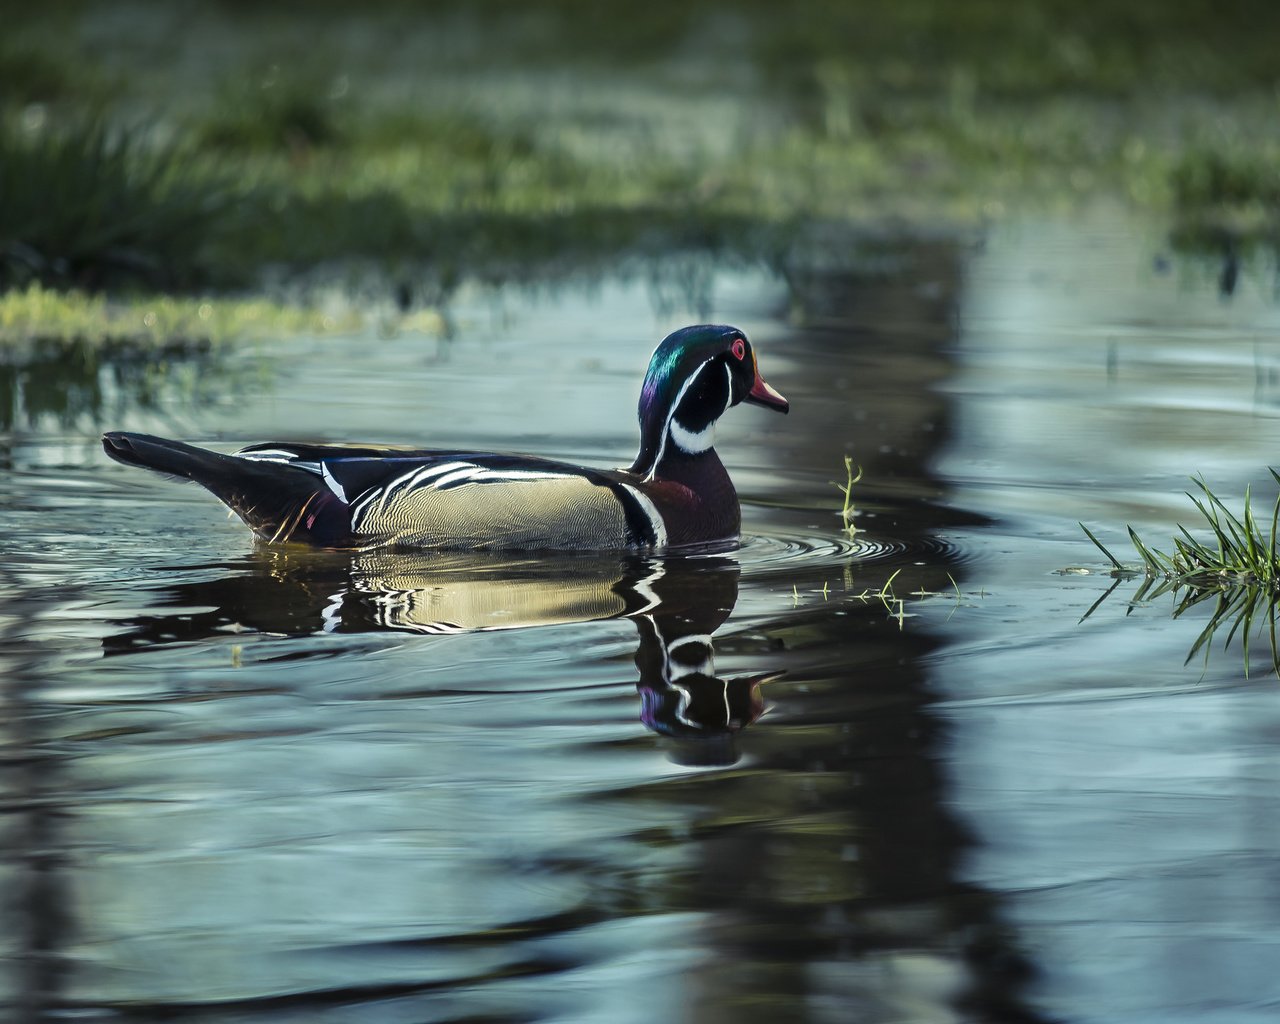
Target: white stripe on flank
{"x": 651, "y": 511}
{"x": 443, "y": 475}
{"x": 527, "y": 474}
{"x": 357, "y": 510}
{"x": 483, "y": 474}
{"x": 416, "y": 476}
{"x": 405, "y": 481}
{"x": 469, "y": 473}
{"x": 410, "y": 479}
{"x": 334, "y": 486}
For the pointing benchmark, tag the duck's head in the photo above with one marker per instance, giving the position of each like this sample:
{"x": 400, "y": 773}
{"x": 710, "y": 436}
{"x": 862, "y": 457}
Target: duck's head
{"x": 694, "y": 377}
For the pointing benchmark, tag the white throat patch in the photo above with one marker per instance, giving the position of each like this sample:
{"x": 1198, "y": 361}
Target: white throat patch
{"x": 690, "y": 441}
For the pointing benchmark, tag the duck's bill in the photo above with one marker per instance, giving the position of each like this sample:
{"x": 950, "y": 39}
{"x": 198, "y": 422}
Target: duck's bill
{"x": 762, "y": 393}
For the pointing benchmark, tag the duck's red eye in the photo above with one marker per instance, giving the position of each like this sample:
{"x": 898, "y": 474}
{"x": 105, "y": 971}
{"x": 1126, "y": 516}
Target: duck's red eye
{"x": 739, "y": 348}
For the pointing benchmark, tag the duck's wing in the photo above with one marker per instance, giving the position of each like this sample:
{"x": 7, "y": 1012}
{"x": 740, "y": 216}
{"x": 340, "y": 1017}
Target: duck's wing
{"x": 474, "y": 500}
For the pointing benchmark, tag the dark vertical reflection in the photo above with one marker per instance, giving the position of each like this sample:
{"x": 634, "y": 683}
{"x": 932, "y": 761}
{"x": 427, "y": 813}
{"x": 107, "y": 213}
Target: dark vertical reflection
{"x": 35, "y": 913}
{"x": 830, "y": 869}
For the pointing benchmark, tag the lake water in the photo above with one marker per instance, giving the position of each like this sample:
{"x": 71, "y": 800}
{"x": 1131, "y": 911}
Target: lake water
{"x": 244, "y": 785}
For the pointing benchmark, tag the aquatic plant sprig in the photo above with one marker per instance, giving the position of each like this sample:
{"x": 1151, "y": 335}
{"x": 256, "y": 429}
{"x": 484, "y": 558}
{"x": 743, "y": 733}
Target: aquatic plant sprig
{"x": 849, "y": 510}
{"x": 1239, "y": 570}
{"x": 1241, "y": 553}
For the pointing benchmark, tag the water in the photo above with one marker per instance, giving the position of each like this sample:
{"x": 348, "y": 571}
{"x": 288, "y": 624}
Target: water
{"x": 260, "y": 786}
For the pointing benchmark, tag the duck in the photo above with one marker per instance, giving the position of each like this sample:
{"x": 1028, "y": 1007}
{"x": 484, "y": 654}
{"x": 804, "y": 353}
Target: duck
{"x": 675, "y": 494}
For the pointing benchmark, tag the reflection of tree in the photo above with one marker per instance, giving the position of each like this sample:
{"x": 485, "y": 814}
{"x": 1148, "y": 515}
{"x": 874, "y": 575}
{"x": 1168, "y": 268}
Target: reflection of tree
{"x": 832, "y": 868}
{"x": 676, "y": 604}
{"x": 36, "y": 918}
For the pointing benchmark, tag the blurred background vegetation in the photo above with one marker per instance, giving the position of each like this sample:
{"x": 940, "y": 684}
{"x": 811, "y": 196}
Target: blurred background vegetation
{"x": 229, "y": 144}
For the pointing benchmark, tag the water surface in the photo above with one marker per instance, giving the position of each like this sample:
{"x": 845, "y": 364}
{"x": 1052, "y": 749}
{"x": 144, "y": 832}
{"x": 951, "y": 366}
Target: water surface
{"x": 252, "y": 785}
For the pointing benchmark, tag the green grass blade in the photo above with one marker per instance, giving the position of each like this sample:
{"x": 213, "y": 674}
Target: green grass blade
{"x": 1149, "y": 557}
{"x": 1102, "y": 547}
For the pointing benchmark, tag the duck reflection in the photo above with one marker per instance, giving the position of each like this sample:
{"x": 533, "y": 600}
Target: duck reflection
{"x": 676, "y": 604}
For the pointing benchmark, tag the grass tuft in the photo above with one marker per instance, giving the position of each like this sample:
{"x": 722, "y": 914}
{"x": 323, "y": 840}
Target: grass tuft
{"x": 90, "y": 206}
{"x": 1246, "y": 610}
{"x": 269, "y": 110}
{"x": 1241, "y": 551}
{"x": 1237, "y": 569}
{"x": 1226, "y": 176}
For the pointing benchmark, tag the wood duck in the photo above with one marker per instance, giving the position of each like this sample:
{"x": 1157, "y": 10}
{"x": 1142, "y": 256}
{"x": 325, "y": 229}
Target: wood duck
{"x": 676, "y": 493}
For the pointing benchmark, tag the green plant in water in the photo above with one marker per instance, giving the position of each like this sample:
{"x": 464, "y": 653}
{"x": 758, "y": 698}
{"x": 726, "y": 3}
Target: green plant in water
{"x": 1242, "y": 552}
{"x": 1238, "y": 570}
{"x": 849, "y": 510}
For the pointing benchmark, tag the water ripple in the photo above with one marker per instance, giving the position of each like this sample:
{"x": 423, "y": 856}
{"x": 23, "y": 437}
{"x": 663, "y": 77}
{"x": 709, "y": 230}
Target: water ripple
{"x": 778, "y": 552}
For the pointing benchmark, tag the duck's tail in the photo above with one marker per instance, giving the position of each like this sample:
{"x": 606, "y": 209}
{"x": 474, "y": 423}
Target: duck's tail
{"x": 172, "y": 457}
{"x": 278, "y": 502}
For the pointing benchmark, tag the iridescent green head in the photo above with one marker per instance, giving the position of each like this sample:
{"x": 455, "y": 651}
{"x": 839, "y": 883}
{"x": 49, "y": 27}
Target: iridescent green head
{"x": 694, "y": 377}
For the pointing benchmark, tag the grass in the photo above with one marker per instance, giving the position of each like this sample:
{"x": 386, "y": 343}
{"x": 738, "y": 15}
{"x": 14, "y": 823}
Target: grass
{"x": 37, "y": 314}
{"x": 39, "y": 74}
{"x": 270, "y": 109}
{"x": 894, "y": 605}
{"x": 418, "y": 139}
{"x": 91, "y": 205}
{"x": 1241, "y": 551}
{"x": 1243, "y": 610}
{"x": 1237, "y": 570}
{"x": 93, "y": 208}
